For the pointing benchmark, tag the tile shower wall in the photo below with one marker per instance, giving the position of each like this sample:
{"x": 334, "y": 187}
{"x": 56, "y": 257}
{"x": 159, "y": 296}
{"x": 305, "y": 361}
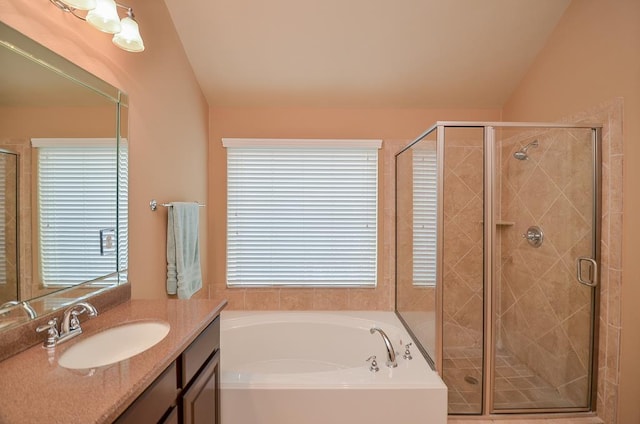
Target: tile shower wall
{"x": 462, "y": 280}
{"x": 463, "y": 238}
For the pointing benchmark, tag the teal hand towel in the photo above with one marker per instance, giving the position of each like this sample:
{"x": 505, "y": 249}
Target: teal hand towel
{"x": 184, "y": 276}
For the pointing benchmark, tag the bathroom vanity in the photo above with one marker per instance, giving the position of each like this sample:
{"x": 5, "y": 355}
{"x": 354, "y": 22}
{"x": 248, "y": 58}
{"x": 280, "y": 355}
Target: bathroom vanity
{"x": 174, "y": 381}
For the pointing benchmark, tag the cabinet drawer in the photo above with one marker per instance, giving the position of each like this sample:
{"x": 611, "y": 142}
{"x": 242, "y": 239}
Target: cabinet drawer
{"x": 199, "y": 351}
{"x": 154, "y": 402}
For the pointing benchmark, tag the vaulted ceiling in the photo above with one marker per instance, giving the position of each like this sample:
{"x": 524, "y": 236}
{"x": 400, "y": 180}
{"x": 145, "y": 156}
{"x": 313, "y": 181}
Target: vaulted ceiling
{"x": 362, "y": 53}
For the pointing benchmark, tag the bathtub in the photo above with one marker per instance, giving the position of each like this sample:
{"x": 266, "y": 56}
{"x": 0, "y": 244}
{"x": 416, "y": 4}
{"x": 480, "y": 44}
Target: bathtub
{"x": 310, "y": 368}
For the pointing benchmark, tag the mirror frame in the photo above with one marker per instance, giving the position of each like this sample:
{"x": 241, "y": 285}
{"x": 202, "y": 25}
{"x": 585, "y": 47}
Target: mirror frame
{"x": 30, "y": 49}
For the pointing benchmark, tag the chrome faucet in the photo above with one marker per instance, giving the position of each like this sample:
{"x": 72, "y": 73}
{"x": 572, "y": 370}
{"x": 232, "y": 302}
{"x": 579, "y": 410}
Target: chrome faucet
{"x": 391, "y": 353}
{"x": 24, "y": 305}
{"x": 70, "y": 325}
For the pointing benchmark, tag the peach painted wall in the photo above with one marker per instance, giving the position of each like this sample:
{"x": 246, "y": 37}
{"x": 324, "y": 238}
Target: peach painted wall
{"x": 593, "y": 56}
{"x": 46, "y": 122}
{"x": 396, "y": 127}
{"x": 168, "y": 116}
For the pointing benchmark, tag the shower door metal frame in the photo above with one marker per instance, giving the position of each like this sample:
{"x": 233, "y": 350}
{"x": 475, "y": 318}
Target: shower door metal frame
{"x": 489, "y": 234}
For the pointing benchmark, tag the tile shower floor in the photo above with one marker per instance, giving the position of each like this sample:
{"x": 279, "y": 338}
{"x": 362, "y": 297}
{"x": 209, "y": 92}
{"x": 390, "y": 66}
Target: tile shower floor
{"x": 516, "y": 386}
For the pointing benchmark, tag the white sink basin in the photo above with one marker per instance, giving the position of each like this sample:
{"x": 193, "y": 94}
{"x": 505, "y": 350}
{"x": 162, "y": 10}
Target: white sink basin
{"x": 114, "y": 344}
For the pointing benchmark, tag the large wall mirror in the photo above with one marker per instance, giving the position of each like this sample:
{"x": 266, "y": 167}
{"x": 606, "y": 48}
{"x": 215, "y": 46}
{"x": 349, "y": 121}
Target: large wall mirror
{"x": 63, "y": 181}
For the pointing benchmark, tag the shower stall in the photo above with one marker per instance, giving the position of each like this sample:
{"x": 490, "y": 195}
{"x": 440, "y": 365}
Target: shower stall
{"x": 497, "y": 253}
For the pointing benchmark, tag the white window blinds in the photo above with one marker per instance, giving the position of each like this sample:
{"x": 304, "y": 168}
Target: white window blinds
{"x": 424, "y": 217}
{"x": 77, "y": 199}
{"x": 301, "y": 213}
{"x": 123, "y": 205}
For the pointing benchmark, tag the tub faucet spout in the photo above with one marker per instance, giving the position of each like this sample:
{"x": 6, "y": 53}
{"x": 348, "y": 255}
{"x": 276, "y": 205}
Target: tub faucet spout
{"x": 391, "y": 353}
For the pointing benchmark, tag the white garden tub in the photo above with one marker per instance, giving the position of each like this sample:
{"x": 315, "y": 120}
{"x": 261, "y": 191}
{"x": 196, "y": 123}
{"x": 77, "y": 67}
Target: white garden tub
{"x": 310, "y": 368}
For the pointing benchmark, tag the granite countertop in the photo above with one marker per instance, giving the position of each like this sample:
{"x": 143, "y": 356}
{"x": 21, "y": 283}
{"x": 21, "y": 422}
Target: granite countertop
{"x": 34, "y": 389}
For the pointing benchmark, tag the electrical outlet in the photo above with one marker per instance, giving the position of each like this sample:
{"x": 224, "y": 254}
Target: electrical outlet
{"x": 107, "y": 241}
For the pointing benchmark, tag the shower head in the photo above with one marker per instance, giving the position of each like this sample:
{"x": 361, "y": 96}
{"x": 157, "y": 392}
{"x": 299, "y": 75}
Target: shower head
{"x": 522, "y": 153}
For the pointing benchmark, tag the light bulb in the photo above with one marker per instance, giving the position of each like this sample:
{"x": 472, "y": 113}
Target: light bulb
{"x": 129, "y": 38}
{"x": 105, "y": 17}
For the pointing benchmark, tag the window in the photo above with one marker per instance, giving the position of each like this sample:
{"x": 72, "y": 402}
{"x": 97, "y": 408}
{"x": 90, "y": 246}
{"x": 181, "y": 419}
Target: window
{"x": 78, "y": 204}
{"x": 424, "y": 217}
{"x": 302, "y": 212}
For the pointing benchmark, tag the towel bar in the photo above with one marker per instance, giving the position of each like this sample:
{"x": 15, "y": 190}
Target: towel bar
{"x": 153, "y": 205}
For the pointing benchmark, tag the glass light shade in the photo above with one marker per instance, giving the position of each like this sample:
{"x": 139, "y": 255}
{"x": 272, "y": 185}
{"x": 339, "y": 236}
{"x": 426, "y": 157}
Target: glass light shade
{"x": 105, "y": 17}
{"x": 80, "y": 4}
{"x": 129, "y": 38}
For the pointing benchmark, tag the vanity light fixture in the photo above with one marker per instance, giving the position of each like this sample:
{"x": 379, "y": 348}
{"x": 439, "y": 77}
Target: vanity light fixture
{"x": 103, "y": 15}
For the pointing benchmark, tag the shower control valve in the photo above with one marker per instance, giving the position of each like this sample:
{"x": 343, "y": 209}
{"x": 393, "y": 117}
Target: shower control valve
{"x": 407, "y": 352}
{"x": 534, "y": 236}
{"x": 374, "y": 364}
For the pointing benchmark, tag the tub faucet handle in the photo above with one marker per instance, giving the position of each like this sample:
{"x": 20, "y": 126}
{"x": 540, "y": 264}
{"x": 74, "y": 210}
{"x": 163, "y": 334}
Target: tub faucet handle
{"x": 374, "y": 364}
{"x": 407, "y": 352}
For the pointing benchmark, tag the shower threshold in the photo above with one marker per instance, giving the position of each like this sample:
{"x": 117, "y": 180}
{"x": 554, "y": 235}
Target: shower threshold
{"x": 516, "y": 386}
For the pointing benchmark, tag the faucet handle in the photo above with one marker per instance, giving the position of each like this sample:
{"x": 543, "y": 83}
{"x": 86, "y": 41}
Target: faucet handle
{"x": 74, "y": 321}
{"x": 407, "y": 352}
{"x": 71, "y": 323}
{"x": 374, "y": 364}
{"x": 51, "y": 327}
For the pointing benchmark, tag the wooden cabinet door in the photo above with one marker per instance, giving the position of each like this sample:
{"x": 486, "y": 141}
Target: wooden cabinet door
{"x": 173, "y": 417}
{"x": 156, "y": 400}
{"x": 200, "y": 403}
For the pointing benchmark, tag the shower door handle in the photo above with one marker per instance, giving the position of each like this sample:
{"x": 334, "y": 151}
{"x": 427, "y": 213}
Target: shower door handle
{"x": 593, "y": 271}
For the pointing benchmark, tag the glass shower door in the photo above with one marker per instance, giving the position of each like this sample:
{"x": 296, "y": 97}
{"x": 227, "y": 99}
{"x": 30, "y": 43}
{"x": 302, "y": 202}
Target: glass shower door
{"x": 544, "y": 273}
